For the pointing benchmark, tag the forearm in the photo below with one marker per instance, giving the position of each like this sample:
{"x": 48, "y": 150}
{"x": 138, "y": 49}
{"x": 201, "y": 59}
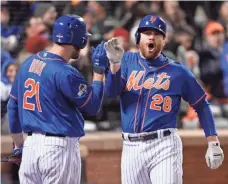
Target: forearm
{"x": 113, "y": 86}
{"x": 114, "y": 68}
{"x": 212, "y": 138}
{"x": 13, "y": 117}
{"x": 94, "y": 101}
{"x": 98, "y": 77}
{"x": 18, "y": 140}
{"x": 206, "y": 120}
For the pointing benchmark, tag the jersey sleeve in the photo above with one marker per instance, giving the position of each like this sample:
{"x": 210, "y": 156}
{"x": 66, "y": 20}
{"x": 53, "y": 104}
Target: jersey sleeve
{"x": 192, "y": 92}
{"x": 85, "y": 98}
{"x": 196, "y": 97}
{"x": 115, "y": 83}
{"x": 14, "y": 89}
{"x": 12, "y": 109}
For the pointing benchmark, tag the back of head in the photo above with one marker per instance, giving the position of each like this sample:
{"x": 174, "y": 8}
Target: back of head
{"x": 151, "y": 22}
{"x": 70, "y": 30}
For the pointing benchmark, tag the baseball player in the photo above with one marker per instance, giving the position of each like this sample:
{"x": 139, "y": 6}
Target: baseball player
{"x": 46, "y": 102}
{"x": 150, "y": 87}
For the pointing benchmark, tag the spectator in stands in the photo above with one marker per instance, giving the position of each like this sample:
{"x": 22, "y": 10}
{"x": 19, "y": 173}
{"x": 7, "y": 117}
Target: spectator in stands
{"x": 103, "y": 23}
{"x": 48, "y": 14}
{"x": 122, "y": 34}
{"x": 6, "y": 58}
{"x": 171, "y": 45}
{"x": 173, "y": 14}
{"x": 10, "y": 34}
{"x": 185, "y": 50}
{"x": 72, "y": 7}
{"x": 9, "y": 73}
{"x": 223, "y": 17}
{"x": 155, "y": 7}
{"x": 127, "y": 13}
{"x": 36, "y": 34}
{"x": 210, "y": 60}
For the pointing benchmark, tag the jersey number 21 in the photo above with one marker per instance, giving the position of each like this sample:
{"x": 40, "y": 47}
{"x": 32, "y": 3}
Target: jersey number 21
{"x": 35, "y": 87}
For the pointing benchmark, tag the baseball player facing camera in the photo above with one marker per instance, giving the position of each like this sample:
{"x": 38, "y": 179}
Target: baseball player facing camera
{"x": 150, "y": 87}
{"x": 46, "y": 102}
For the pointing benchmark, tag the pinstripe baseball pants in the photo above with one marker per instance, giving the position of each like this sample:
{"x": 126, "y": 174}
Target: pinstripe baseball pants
{"x": 50, "y": 160}
{"x": 157, "y": 161}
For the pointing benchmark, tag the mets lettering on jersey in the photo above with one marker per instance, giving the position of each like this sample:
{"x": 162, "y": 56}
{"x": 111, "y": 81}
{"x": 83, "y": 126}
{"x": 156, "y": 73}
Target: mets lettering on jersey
{"x": 162, "y": 81}
{"x": 150, "y": 87}
{"x": 150, "y": 90}
{"x": 150, "y": 93}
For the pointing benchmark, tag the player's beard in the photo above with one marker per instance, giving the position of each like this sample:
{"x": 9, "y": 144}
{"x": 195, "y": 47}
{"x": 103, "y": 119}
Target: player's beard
{"x": 148, "y": 53}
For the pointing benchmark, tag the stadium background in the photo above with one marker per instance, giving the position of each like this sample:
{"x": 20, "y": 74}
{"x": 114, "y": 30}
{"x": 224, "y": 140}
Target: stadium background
{"x": 197, "y": 35}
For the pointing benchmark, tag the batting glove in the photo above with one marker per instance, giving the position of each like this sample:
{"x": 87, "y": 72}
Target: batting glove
{"x": 16, "y": 156}
{"x": 99, "y": 59}
{"x": 214, "y": 156}
{"x": 114, "y": 51}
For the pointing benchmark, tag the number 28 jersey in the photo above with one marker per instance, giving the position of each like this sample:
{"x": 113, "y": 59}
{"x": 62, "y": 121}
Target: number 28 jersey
{"x": 151, "y": 92}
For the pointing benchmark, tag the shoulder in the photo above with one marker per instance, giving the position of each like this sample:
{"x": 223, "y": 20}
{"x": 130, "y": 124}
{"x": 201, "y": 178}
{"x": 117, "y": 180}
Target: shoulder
{"x": 68, "y": 71}
{"x": 180, "y": 67}
{"x": 130, "y": 57}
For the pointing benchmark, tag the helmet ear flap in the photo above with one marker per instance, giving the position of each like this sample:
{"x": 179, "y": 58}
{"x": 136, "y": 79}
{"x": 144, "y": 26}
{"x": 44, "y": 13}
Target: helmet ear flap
{"x": 137, "y": 37}
{"x": 83, "y": 42}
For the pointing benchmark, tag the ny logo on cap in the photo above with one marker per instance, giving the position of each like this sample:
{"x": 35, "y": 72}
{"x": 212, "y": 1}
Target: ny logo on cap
{"x": 153, "y": 19}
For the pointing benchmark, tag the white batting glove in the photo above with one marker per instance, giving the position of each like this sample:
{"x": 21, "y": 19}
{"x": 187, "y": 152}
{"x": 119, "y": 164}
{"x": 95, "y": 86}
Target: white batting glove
{"x": 214, "y": 156}
{"x": 114, "y": 51}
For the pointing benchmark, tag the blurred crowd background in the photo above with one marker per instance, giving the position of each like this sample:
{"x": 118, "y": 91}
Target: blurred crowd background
{"x": 197, "y": 34}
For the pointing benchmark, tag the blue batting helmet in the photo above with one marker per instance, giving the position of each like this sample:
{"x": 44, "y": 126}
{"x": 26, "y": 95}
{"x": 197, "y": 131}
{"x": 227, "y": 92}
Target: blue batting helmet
{"x": 70, "y": 29}
{"x": 150, "y": 22}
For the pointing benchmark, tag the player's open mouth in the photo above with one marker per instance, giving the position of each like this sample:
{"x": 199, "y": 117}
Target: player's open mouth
{"x": 151, "y": 46}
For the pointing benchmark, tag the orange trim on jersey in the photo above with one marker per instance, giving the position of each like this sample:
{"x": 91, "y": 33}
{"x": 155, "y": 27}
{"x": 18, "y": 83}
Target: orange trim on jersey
{"x": 50, "y": 58}
{"x": 86, "y": 100}
{"x": 123, "y": 77}
{"x": 163, "y": 66}
{"x": 140, "y": 93}
{"x": 146, "y": 107}
{"x": 13, "y": 97}
{"x": 149, "y": 94}
{"x": 199, "y": 100}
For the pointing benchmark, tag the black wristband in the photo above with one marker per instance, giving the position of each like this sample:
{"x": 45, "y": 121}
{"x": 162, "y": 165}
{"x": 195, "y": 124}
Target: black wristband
{"x": 98, "y": 70}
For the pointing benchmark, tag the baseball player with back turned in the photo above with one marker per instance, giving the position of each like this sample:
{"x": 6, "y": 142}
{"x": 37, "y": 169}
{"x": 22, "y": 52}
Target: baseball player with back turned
{"x": 150, "y": 86}
{"x": 46, "y": 102}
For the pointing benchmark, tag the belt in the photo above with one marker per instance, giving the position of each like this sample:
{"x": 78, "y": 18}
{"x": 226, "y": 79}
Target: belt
{"x": 146, "y": 137}
{"x": 48, "y": 134}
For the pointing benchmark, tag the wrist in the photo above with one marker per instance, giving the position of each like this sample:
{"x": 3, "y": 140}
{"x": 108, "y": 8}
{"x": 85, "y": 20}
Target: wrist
{"x": 114, "y": 62}
{"x": 114, "y": 68}
{"x": 98, "y": 77}
{"x": 212, "y": 138}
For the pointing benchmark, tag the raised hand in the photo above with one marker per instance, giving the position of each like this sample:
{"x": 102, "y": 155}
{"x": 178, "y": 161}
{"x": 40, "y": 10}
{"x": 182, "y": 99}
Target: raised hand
{"x": 99, "y": 59}
{"x": 114, "y": 51}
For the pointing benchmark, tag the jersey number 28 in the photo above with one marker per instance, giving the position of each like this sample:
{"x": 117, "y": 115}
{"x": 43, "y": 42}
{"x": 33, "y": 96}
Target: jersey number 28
{"x": 35, "y": 87}
{"x": 158, "y": 100}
